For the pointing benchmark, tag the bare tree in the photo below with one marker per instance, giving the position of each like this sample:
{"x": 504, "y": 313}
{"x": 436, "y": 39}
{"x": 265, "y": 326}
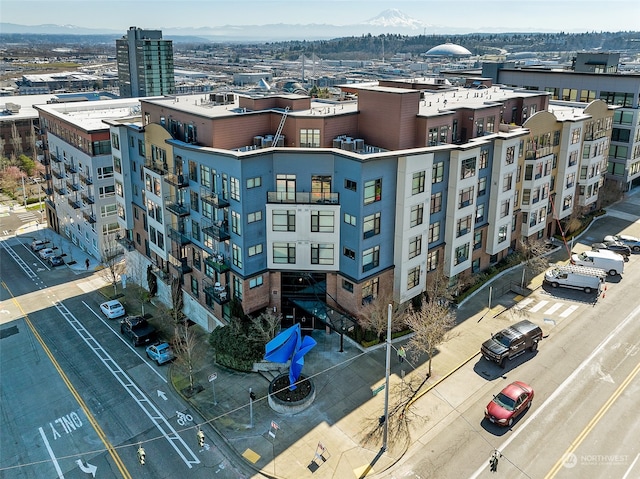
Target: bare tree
{"x": 188, "y": 346}
{"x": 374, "y": 315}
{"x": 15, "y": 140}
{"x": 430, "y": 325}
{"x": 177, "y": 301}
{"x": 137, "y": 272}
{"x": 112, "y": 260}
{"x": 533, "y": 253}
{"x": 264, "y": 328}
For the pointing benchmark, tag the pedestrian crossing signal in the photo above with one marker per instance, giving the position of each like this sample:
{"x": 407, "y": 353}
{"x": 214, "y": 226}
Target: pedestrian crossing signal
{"x": 200, "y": 435}
{"x": 141, "y": 455}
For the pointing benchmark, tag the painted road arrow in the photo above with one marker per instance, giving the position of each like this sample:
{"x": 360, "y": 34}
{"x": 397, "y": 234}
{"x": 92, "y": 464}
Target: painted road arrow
{"x": 162, "y": 395}
{"x": 89, "y": 468}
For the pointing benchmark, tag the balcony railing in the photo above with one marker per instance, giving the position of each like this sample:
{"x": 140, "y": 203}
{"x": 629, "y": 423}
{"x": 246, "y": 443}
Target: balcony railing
{"x": 303, "y": 197}
{"x": 70, "y": 167}
{"x": 55, "y": 157}
{"x": 219, "y": 232}
{"x": 218, "y": 263}
{"x": 57, "y": 174}
{"x": 90, "y": 216}
{"x": 61, "y": 191}
{"x": 88, "y": 198}
{"x": 179, "y": 181}
{"x": 86, "y": 178}
{"x": 178, "y": 209}
{"x": 181, "y": 265}
{"x": 213, "y": 199}
{"x": 218, "y": 293}
{"x": 75, "y": 186}
{"x": 160, "y": 168}
{"x": 74, "y": 203}
{"x": 179, "y": 237}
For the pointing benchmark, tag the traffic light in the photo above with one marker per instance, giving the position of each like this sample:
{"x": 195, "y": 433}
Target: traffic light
{"x": 141, "y": 455}
{"x": 200, "y": 436}
{"x": 493, "y": 462}
{"x": 252, "y": 395}
{"x": 381, "y": 420}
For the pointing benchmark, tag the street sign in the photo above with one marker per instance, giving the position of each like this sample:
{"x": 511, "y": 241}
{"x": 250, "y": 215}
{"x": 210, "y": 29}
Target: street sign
{"x": 378, "y": 389}
{"x": 213, "y": 377}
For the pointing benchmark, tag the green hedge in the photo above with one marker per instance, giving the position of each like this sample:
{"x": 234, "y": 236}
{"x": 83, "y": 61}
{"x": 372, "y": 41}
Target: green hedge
{"x": 234, "y": 349}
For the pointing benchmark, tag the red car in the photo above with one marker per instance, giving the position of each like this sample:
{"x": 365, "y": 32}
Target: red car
{"x": 509, "y": 404}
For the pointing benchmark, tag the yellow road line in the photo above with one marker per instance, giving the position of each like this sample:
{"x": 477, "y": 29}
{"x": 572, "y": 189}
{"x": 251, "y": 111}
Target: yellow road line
{"x": 114, "y": 455}
{"x": 585, "y": 432}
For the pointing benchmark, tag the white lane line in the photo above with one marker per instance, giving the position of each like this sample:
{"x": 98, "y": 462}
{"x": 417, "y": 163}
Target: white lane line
{"x": 569, "y": 310}
{"x": 554, "y": 308}
{"x": 626, "y": 474}
{"x": 551, "y": 400}
{"x": 51, "y": 455}
{"x": 539, "y": 306}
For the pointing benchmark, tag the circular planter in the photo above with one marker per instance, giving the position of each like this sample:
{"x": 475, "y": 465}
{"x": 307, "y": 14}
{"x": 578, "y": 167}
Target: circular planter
{"x": 284, "y": 401}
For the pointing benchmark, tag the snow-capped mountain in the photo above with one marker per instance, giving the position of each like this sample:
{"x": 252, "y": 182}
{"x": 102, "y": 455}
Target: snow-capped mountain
{"x": 396, "y": 19}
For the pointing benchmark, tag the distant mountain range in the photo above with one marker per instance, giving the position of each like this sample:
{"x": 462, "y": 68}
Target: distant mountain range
{"x": 389, "y": 21}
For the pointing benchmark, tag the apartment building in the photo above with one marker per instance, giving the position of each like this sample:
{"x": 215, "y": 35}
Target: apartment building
{"x": 145, "y": 64}
{"x": 77, "y": 154}
{"x": 592, "y": 76}
{"x": 311, "y": 207}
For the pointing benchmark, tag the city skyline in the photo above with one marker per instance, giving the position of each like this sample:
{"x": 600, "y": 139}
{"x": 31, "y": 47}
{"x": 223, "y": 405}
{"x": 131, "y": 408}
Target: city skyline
{"x": 495, "y": 16}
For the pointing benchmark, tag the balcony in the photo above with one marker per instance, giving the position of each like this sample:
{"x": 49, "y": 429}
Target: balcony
{"x": 89, "y": 216}
{"x": 160, "y": 168}
{"x": 179, "y": 181}
{"x": 57, "y": 174}
{"x": 74, "y": 203}
{"x": 218, "y": 263}
{"x": 179, "y": 264}
{"x": 303, "y": 198}
{"x": 86, "y": 178}
{"x": 55, "y": 158}
{"x": 126, "y": 243}
{"x": 45, "y": 161}
{"x": 60, "y": 190}
{"x": 47, "y": 191}
{"x": 178, "y": 209}
{"x": 88, "y": 199}
{"x": 179, "y": 237}
{"x": 213, "y": 199}
{"x": 45, "y": 176}
{"x": 219, "y": 231}
{"x": 70, "y": 168}
{"x": 75, "y": 186}
{"x": 217, "y": 292}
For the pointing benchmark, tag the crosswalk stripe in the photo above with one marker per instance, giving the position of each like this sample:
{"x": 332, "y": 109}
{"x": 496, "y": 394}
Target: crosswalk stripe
{"x": 539, "y": 306}
{"x": 523, "y": 304}
{"x": 554, "y": 308}
{"x": 569, "y": 310}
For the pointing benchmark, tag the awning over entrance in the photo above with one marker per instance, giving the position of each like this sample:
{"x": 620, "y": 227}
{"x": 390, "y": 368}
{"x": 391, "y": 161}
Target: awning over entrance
{"x": 321, "y": 310}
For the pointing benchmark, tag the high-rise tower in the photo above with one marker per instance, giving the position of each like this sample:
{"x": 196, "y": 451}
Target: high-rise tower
{"x": 145, "y": 64}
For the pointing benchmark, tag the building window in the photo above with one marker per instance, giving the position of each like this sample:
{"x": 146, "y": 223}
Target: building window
{"x": 502, "y": 234}
{"x": 205, "y": 176}
{"x": 255, "y": 216}
{"x": 480, "y": 213}
{"x": 284, "y": 253}
{"x": 350, "y": 219}
{"x": 370, "y": 258}
{"x": 235, "y": 188}
{"x": 350, "y": 185}
{"x": 475, "y": 265}
{"x": 237, "y": 288}
{"x": 372, "y": 191}
{"x": 567, "y": 202}
{"x": 465, "y": 197}
{"x": 347, "y": 285}
{"x": 511, "y": 154}
{"x": 236, "y": 223}
{"x": 322, "y": 221}
{"x": 321, "y": 253}
{"x": 255, "y": 282}
{"x": 484, "y": 159}
{"x": 477, "y": 240}
{"x": 575, "y": 136}
{"x": 415, "y": 246}
{"x": 195, "y": 230}
{"x": 255, "y": 249}
{"x": 142, "y": 151}
{"x": 417, "y": 184}
{"x": 482, "y": 186}
{"x": 413, "y": 277}
{"x": 236, "y": 255}
{"x": 432, "y": 260}
{"x": 309, "y": 138}
{"x": 193, "y": 171}
{"x": 254, "y": 182}
{"x": 194, "y": 286}
{"x": 370, "y": 290}
{"x": 438, "y": 172}
{"x": 115, "y": 140}
{"x": 468, "y": 168}
{"x": 462, "y": 254}
{"x": 434, "y": 232}
{"x": 349, "y": 253}
{"x": 371, "y": 225}
{"x": 284, "y": 220}
{"x": 416, "y": 215}
{"x": 436, "y": 202}
{"x": 505, "y": 206}
{"x": 463, "y": 226}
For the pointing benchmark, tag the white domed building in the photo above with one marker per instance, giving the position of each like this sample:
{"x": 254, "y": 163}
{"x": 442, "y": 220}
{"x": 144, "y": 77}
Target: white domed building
{"x": 448, "y": 50}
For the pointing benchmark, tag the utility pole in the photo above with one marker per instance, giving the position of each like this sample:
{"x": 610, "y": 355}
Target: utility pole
{"x": 386, "y": 388}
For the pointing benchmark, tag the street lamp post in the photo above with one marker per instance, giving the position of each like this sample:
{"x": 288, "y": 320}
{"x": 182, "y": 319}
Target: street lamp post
{"x": 386, "y": 389}
{"x": 342, "y": 335}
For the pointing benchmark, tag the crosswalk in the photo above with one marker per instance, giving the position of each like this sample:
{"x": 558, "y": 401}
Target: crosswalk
{"x": 27, "y": 216}
{"x": 547, "y": 308}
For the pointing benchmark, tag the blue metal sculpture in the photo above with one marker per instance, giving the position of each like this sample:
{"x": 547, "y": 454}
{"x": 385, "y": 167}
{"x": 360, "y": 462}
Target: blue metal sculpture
{"x": 290, "y": 345}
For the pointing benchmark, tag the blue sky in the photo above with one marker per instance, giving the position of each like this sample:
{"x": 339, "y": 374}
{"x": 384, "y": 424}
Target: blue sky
{"x": 537, "y": 15}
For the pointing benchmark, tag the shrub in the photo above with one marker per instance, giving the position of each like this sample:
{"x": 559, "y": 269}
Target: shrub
{"x": 233, "y": 348}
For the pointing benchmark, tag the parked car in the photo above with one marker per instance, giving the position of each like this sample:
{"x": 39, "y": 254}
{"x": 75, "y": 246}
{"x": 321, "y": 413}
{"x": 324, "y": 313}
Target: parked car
{"x": 512, "y": 401}
{"x": 138, "y": 330}
{"x": 614, "y": 246}
{"x": 577, "y": 277}
{"x": 631, "y": 241}
{"x": 37, "y": 245}
{"x": 511, "y": 342}
{"x": 112, "y": 309}
{"x": 55, "y": 260}
{"x": 611, "y": 262}
{"x": 45, "y": 253}
{"x": 160, "y": 353}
